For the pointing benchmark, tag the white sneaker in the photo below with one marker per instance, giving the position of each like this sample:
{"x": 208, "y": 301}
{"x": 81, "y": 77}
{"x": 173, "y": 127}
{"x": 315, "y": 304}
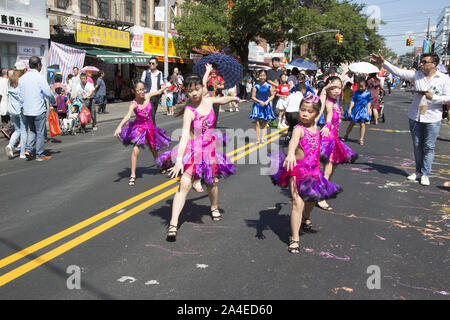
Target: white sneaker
{"x": 23, "y": 156}
{"x": 9, "y": 152}
{"x": 414, "y": 177}
{"x": 285, "y": 125}
{"x": 425, "y": 181}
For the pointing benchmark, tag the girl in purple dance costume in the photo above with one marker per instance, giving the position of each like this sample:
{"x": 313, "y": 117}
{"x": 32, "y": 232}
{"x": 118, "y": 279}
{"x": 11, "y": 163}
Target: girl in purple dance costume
{"x": 300, "y": 170}
{"x": 141, "y": 131}
{"x": 196, "y": 155}
{"x": 333, "y": 150}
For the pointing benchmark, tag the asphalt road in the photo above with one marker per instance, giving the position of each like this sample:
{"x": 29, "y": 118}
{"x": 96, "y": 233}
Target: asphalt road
{"x": 380, "y": 222}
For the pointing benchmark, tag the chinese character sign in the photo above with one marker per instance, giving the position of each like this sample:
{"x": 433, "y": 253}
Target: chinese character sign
{"x": 102, "y": 36}
{"x": 154, "y": 44}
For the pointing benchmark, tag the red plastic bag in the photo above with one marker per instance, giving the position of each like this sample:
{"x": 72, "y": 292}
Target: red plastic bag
{"x": 85, "y": 116}
{"x": 53, "y": 123}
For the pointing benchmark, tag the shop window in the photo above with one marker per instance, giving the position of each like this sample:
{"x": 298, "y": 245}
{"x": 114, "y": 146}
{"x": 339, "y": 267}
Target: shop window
{"x": 103, "y": 8}
{"x": 8, "y": 52}
{"x": 85, "y": 6}
{"x": 144, "y": 6}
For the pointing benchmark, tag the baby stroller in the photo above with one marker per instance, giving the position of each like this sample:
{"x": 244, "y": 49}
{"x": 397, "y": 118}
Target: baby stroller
{"x": 381, "y": 117}
{"x": 76, "y": 125}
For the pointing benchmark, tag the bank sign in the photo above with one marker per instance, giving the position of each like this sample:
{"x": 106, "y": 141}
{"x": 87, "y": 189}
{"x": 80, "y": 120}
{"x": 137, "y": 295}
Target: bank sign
{"x": 15, "y": 24}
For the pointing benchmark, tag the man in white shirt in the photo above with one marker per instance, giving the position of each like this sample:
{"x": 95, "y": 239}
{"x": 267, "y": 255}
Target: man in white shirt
{"x": 153, "y": 79}
{"x": 425, "y": 113}
{"x": 85, "y": 92}
{"x": 76, "y": 78}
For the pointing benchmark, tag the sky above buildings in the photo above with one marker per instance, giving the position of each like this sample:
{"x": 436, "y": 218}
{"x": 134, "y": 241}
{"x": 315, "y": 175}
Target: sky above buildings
{"x": 405, "y": 16}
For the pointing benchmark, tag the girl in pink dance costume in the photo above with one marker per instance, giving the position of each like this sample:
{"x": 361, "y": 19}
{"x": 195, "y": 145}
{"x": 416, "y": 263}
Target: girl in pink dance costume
{"x": 333, "y": 150}
{"x": 301, "y": 170}
{"x": 141, "y": 131}
{"x": 196, "y": 155}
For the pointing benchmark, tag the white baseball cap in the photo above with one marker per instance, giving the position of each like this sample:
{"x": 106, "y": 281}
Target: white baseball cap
{"x": 20, "y": 66}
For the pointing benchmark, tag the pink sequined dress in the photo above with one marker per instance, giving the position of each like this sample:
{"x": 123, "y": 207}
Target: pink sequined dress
{"x": 333, "y": 149}
{"x": 141, "y": 131}
{"x": 201, "y": 159}
{"x": 311, "y": 184}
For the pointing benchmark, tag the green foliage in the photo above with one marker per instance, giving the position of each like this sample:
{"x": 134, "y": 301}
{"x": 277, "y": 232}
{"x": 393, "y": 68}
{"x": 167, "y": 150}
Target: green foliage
{"x": 211, "y": 22}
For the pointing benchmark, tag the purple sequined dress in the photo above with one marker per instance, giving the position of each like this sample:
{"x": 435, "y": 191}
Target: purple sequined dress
{"x": 201, "y": 160}
{"x": 141, "y": 131}
{"x": 333, "y": 149}
{"x": 311, "y": 184}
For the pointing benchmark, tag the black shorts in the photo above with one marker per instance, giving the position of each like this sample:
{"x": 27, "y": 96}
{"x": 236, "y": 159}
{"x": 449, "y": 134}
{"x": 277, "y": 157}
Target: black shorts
{"x": 62, "y": 115}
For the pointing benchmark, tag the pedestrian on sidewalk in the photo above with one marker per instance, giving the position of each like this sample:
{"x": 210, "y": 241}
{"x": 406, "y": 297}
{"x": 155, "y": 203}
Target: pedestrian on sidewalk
{"x": 263, "y": 94}
{"x": 85, "y": 93}
{"x": 141, "y": 131}
{"x": 425, "y": 113}
{"x": 100, "y": 93}
{"x": 300, "y": 170}
{"x": 15, "y": 103}
{"x": 196, "y": 155}
{"x": 5, "y": 118}
{"x": 359, "y": 110}
{"x": 153, "y": 79}
{"x": 34, "y": 91}
{"x": 174, "y": 81}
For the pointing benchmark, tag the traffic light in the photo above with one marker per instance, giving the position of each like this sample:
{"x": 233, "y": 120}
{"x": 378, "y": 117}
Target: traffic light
{"x": 409, "y": 42}
{"x": 339, "y": 38}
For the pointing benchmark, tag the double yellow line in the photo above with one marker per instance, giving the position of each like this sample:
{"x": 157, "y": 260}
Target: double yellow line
{"x": 19, "y": 271}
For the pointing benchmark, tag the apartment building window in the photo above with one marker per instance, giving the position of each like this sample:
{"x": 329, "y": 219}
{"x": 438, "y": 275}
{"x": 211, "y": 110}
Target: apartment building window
{"x": 62, "y": 4}
{"x": 129, "y": 11}
{"x": 103, "y": 9}
{"x": 144, "y": 7}
{"x": 85, "y": 6}
{"x": 156, "y": 24}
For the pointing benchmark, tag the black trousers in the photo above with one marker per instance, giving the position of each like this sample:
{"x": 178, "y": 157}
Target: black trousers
{"x": 155, "y": 102}
{"x": 216, "y": 108}
{"x": 292, "y": 119}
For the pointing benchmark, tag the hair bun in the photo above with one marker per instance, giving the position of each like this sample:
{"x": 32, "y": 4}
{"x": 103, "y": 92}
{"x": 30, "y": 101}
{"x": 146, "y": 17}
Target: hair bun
{"x": 311, "y": 98}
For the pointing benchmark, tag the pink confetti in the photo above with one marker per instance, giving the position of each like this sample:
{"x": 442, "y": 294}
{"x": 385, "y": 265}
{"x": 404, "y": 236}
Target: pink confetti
{"x": 381, "y": 238}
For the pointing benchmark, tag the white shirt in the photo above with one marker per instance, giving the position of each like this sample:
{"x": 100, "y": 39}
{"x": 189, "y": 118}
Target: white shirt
{"x": 439, "y": 85}
{"x": 82, "y": 91}
{"x": 347, "y": 79}
{"x": 154, "y": 76}
{"x": 293, "y": 102}
{"x": 3, "y": 93}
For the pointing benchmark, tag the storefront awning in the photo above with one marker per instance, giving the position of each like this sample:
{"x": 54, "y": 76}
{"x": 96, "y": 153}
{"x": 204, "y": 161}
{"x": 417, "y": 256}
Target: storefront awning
{"x": 116, "y": 57}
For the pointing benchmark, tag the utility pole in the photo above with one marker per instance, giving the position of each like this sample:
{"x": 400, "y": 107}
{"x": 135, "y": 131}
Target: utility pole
{"x": 166, "y": 39}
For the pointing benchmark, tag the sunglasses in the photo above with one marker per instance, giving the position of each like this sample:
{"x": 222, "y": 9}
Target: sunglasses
{"x": 425, "y": 62}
